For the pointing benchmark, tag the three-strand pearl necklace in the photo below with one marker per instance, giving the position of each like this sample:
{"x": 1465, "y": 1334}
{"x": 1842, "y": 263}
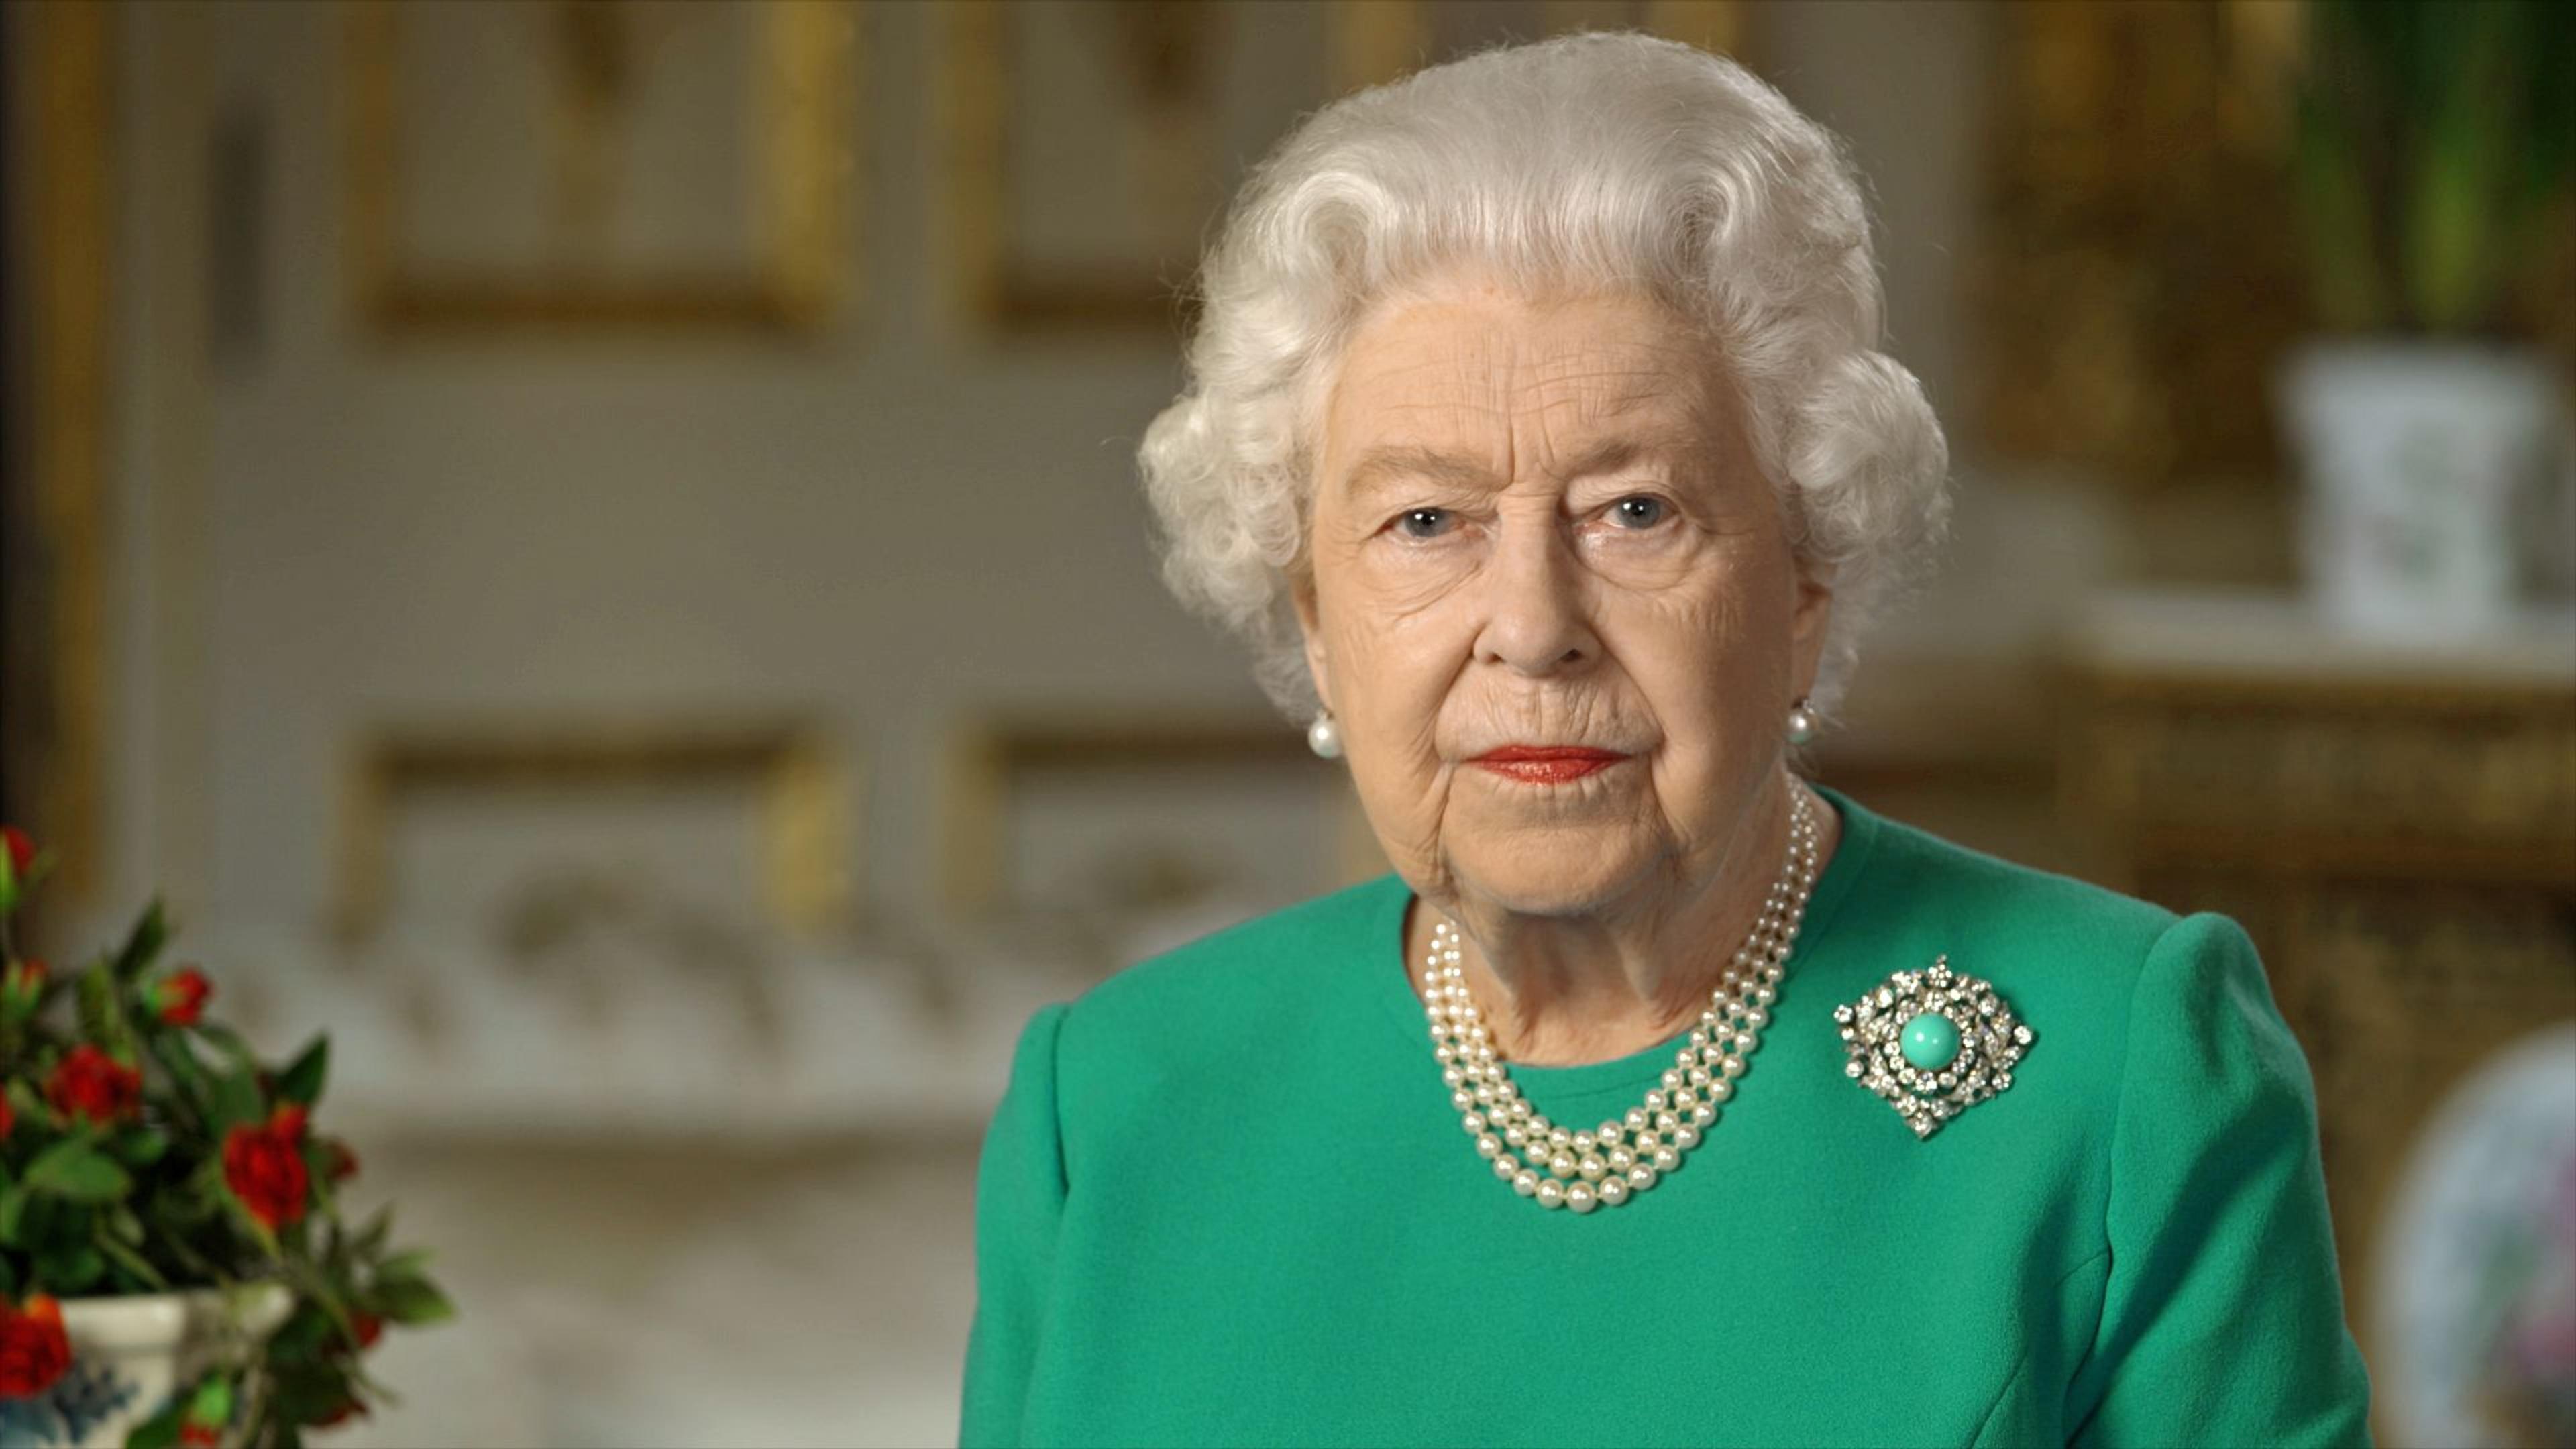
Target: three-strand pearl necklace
{"x": 1624, "y": 1155}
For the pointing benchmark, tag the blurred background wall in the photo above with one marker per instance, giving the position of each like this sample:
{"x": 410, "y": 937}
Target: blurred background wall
{"x": 592, "y": 550}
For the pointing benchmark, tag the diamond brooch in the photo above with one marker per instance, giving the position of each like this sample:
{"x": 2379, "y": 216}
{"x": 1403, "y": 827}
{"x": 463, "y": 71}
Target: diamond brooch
{"x": 1932, "y": 1043}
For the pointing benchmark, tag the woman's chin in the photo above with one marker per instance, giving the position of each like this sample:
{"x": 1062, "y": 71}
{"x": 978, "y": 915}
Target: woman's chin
{"x": 1566, "y": 873}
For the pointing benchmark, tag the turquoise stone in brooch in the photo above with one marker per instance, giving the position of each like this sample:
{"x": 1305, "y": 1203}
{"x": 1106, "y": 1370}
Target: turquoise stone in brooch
{"x": 1932, "y": 1043}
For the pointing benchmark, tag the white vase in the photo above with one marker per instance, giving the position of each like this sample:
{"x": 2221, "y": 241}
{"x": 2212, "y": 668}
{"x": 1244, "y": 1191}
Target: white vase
{"x": 131, "y": 1352}
{"x": 2416, "y": 458}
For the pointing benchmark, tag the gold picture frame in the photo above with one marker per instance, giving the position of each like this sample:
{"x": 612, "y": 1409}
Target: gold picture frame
{"x": 803, "y": 128}
{"x": 988, "y": 763}
{"x": 803, "y": 791}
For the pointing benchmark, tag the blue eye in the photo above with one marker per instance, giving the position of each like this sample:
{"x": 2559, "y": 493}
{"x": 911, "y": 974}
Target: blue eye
{"x": 1423, "y": 522}
{"x": 1640, "y": 511}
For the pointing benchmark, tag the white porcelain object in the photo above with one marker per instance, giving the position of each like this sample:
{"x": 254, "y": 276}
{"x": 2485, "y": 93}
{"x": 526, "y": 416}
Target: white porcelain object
{"x": 130, "y": 1352}
{"x": 2417, "y": 457}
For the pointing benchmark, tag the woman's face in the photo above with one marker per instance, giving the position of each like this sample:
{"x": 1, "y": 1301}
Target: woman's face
{"x": 1537, "y": 524}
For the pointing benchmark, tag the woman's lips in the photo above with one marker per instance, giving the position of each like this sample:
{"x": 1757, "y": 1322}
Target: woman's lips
{"x": 1546, "y": 764}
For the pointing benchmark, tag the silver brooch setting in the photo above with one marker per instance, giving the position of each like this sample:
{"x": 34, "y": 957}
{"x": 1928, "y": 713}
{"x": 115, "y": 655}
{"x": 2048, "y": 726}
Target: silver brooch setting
{"x": 1932, "y": 1043}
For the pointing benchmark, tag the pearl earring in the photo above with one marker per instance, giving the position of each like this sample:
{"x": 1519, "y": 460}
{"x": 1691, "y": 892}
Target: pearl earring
{"x": 1325, "y": 737}
{"x": 1802, "y": 722}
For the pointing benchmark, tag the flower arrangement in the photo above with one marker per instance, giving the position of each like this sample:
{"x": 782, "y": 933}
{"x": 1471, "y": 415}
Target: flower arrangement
{"x": 145, "y": 1148}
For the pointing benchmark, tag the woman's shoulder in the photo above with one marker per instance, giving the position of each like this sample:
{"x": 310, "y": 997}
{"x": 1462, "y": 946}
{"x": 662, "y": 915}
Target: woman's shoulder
{"x": 2117, "y": 990}
{"x": 1271, "y": 978}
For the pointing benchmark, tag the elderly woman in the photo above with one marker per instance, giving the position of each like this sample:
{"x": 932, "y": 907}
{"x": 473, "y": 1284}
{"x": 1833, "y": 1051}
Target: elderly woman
{"x": 1538, "y": 440}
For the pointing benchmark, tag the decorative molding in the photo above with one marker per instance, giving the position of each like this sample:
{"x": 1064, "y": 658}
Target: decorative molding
{"x": 805, "y": 52}
{"x": 988, "y": 763}
{"x": 803, "y": 794}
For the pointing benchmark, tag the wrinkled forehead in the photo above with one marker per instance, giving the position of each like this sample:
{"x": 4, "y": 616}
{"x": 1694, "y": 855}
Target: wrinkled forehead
{"x": 1482, "y": 369}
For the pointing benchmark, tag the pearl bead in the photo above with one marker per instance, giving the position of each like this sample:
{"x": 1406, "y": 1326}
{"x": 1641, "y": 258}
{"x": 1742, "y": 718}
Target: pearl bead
{"x": 1630, "y": 1153}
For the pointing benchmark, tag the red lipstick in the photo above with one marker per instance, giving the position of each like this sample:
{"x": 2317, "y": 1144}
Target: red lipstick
{"x": 1547, "y": 764}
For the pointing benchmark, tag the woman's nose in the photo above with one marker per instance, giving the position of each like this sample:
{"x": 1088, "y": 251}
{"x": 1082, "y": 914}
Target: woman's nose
{"x": 1535, "y": 620}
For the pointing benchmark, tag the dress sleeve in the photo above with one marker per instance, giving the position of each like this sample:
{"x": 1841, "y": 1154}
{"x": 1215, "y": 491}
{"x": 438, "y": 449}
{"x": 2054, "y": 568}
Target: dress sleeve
{"x": 1019, "y": 1198}
{"x": 2222, "y": 1316}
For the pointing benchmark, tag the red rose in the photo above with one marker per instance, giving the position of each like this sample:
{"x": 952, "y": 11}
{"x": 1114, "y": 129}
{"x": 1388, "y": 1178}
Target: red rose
{"x": 201, "y": 1436}
{"x": 344, "y": 1159}
{"x": 33, "y": 1350}
{"x": 8, "y": 1118}
{"x": 181, "y": 996}
{"x": 264, "y": 1167}
{"x": 89, "y": 1083}
{"x": 369, "y": 1327}
{"x": 22, "y": 851}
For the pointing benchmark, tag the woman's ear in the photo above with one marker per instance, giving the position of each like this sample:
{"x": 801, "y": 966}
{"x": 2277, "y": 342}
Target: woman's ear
{"x": 1301, "y": 591}
{"x": 1814, "y": 610}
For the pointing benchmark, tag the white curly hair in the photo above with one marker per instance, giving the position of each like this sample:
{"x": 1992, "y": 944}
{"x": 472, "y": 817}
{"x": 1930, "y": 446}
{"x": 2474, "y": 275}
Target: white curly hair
{"x": 1603, "y": 159}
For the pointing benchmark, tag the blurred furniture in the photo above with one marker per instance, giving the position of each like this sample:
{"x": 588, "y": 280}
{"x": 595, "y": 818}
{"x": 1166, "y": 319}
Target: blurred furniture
{"x": 2395, "y": 826}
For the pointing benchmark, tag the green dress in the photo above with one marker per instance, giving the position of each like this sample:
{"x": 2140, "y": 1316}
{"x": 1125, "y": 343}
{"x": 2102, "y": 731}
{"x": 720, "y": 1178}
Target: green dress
{"x": 1226, "y": 1200}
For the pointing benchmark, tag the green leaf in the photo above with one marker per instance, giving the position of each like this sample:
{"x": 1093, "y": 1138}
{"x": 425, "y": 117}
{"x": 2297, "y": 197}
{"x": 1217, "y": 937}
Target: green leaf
{"x": 302, "y": 1334}
{"x": 403, "y": 1265}
{"x": 412, "y": 1300}
{"x": 233, "y": 1046}
{"x": 73, "y": 1169}
{"x": 8, "y": 883}
{"x": 379, "y": 1227}
{"x": 142, "y": 1148}
{"x": 66, "y": 1269}
{"x": 102, "y": 1017}
{"x": 151, "y": 930}
{"x": 122, "y": 1222}
{"x": 13, "y": 1214}
{"x": 236, "y": 1103}
{"x": 304, "y": 1077}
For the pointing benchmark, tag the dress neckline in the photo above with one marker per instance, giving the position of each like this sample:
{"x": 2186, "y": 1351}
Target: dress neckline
{"x": 1391, "y": 971}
